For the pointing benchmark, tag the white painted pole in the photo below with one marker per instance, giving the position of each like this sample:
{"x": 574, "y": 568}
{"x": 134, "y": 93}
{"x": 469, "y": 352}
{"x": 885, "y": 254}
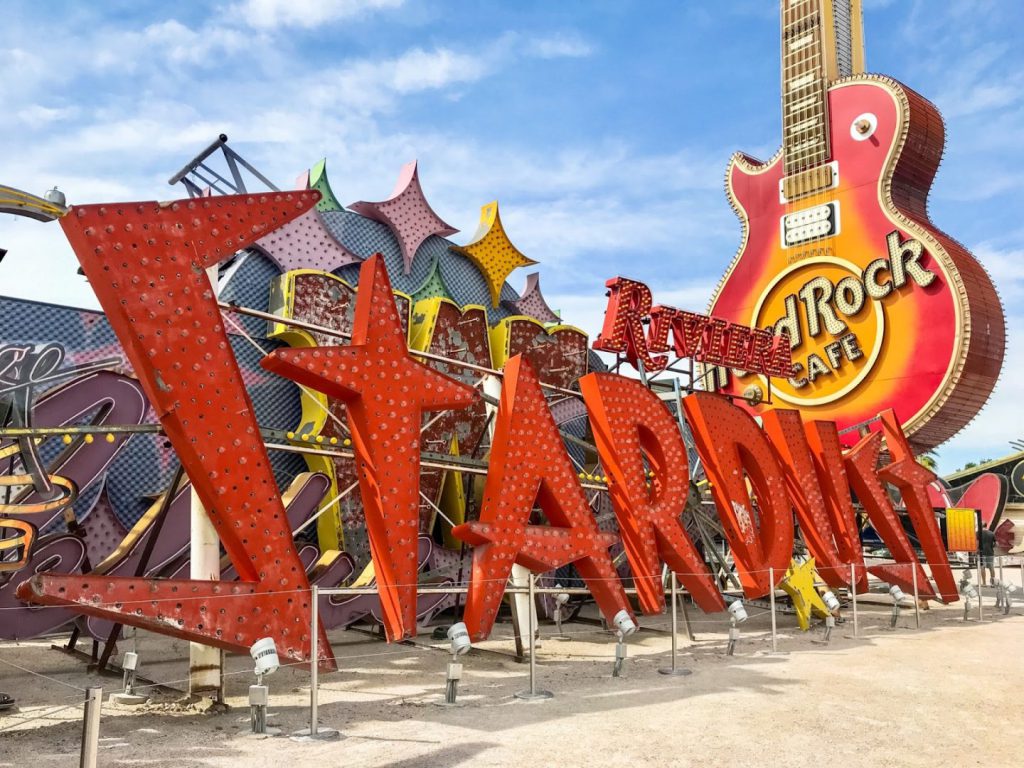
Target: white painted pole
{"x": 91, "y": 728}
{"x": 771, "y": 594}
{"x": 205, "y": 663}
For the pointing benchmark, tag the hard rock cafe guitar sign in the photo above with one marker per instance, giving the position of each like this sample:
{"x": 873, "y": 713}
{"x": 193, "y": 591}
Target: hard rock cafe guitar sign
{"x": 881, "y": 307}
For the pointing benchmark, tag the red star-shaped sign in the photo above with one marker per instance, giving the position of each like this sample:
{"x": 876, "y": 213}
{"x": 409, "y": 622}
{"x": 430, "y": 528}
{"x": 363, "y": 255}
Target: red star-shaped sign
{"x": 529, "y": 466}
{"x": 387, "y": 392}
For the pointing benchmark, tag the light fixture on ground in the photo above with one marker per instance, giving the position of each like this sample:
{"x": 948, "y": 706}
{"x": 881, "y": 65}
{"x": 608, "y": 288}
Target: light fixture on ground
{"x": 833, "y": 605}
{"x": 1008, "y": 591}
{"x": 264, "y": 653}
{"x": 737, "y": 615}
{"x": 897, "y": 597}
{"x": 460, "y": 644}
{"x": 128, "y": 696}
{"x": 624, "y": 627}
{"x": 561, "y": 600}
{"x": 831, "y": 601}
{"x": 969, "y": 592}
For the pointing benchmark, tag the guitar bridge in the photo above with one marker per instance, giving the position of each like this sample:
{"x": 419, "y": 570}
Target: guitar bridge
{"x": 808, "y": 182}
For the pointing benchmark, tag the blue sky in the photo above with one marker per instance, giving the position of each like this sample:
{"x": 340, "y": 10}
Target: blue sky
{"x": 603, "y": 128}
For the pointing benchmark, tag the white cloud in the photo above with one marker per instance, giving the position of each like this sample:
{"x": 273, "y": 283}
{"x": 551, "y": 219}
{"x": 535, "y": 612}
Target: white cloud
{"x": 419, "y": 70}
{"x": 559, "y": 46}
{"x": 268, "y": 14}
{"x": 180, "y": 44}
{"x": 1006, "y": 267}
{"x": 36, "y": 115}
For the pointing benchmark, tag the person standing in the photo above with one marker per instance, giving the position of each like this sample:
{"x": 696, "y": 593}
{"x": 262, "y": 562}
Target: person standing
{"x": 986, "y": 551}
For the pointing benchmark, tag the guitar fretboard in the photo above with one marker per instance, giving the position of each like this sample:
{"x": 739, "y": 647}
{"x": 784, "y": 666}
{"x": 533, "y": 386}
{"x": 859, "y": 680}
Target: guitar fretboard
{"x": 804, "y": 86}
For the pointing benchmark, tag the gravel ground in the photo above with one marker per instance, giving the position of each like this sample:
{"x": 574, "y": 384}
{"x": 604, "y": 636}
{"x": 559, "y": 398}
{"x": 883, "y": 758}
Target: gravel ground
{"x": 942, "y": 695}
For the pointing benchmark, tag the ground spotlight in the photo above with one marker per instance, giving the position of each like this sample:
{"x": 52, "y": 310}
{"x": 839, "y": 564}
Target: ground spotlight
{"x": 738, "y": 611}
{"x": 128, "y": 695}
{"x": 561, "y": 599}
{"x": 624, "y": 627}
{"x": 264, "y": 653}
{"x": 969, "y": 592}
{"x": 459, "y": 636}
{"x": 737, "y": 615}
{"x": 460, "y": 644}
{"x": 897, "y": 597}
{"x": 1008, "y": 590}
{"x": 624, "y": 623}
{"x": 831, "y": 601}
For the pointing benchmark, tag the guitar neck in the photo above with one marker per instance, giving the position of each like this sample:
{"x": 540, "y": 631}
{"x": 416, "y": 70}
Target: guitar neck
{"x": 821, "y": 41}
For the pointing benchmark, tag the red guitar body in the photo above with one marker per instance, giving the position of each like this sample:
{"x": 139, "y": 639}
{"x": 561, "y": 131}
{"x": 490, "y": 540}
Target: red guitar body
{"x": 922, "y": 332}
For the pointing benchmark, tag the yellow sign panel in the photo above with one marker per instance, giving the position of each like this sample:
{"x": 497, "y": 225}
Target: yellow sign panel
{"x": 961, "y": 530}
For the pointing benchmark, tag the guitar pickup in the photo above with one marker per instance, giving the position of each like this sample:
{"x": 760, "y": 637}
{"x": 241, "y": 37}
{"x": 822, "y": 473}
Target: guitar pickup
{"x": 815, "y": 223}
{"x": 808, "y": 182}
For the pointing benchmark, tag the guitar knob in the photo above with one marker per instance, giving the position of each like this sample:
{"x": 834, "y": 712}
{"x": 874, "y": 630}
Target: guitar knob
{"x": 863, "y": 126}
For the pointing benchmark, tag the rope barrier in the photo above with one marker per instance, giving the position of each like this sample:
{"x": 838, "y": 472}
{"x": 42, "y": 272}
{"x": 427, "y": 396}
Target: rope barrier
{"x": 428, "y": 588}
{"x": 39, "y": 674}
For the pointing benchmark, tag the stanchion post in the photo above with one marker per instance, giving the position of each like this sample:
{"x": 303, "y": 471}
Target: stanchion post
{"x": 980, "y": 571}
{"x": 917, "y": 604}
{"x": 314, "y": 652}
{"x": 533, "y": 694}
{"x": 91, "y": 727}
{"x": 771, "y": 600}
{"x": 674, "y": 670}
{"x": 315, "y": 732}
{"x": 853, "y": 595}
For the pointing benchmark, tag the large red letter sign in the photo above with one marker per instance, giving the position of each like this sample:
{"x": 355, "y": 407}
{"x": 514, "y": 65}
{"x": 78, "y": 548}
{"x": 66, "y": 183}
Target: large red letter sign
{"x": 147, "y": 263}
{"x": 861, "y": 467}
{"x": 630, "y": 422}
{"x": 629, "y": 303}
{"x": 912, "y": 479}
{"x": 386, "y": 392}
{"x": 731, "y": 444}
{"x": 785, "y": 430}
{"x": 529, "y": 466}
{"x": 827, "y": 451}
